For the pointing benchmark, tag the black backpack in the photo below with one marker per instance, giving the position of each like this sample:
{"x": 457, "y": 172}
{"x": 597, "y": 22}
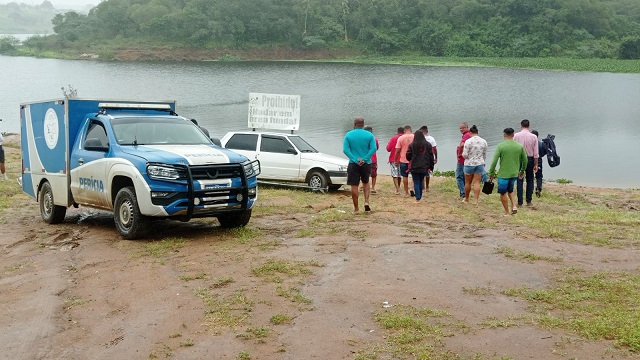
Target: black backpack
{"x": 552, "y": 155}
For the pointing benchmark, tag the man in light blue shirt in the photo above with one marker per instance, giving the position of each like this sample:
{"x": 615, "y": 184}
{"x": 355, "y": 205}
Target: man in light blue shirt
{"x": 359, "y": 145}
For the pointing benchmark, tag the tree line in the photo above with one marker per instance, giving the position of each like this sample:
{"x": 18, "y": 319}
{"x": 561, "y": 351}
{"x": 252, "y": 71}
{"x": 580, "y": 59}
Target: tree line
{"x": 462, "y": 28}
{"x": 26, "y": 19}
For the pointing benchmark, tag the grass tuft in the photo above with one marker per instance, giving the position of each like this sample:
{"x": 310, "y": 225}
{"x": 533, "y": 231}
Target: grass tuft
{"x": 603, "y": 306}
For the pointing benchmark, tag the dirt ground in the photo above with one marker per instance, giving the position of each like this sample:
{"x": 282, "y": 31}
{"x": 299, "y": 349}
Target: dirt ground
{"x": 196, "y": 291}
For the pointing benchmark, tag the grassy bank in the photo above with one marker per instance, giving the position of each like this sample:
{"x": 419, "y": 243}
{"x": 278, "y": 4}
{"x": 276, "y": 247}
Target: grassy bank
{"x": 590, "y": 65}
{"x": 173, "y": 52}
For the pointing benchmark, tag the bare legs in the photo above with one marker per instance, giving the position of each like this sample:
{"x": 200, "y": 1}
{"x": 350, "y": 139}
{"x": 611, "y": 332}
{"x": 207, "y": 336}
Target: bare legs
{"x": 505, "y": 203}
{"x": 366, "y": 189}
{"x": 396, "y": 183}
{"x": 476, "y": 187}
{"x": 354, "y": 197}
{"x": 468, "y": 180}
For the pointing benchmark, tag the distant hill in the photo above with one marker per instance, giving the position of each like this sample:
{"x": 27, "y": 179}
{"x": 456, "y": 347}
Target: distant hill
{"x": 19, "y": 18}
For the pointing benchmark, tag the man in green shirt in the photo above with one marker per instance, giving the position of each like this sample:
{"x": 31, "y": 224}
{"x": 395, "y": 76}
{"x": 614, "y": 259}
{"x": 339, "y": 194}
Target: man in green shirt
{"x": 513, "y": 162}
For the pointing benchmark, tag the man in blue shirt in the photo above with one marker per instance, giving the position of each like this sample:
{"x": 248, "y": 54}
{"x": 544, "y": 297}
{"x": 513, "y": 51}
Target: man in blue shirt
{"x": 359, "y": 146}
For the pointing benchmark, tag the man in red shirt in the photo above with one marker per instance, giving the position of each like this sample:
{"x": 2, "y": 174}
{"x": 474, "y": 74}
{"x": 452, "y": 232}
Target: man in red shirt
{"x": 374, "y": 162}
{"x": 464, "y": 130}
{"x": 395, "y": 169}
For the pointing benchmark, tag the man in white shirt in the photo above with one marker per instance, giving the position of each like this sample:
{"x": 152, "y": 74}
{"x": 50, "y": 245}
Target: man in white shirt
{"x": 432, "y": 141}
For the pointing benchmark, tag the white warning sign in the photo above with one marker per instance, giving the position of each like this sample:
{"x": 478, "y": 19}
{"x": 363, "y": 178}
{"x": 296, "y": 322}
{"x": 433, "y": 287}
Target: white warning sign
{"x": 274, "y": 111}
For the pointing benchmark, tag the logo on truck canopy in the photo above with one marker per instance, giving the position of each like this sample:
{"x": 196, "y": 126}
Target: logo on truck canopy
{"x": 51, "y": 128}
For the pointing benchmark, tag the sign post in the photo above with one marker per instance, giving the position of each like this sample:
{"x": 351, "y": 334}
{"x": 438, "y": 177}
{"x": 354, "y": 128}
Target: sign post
{"x": 274, "y": 111}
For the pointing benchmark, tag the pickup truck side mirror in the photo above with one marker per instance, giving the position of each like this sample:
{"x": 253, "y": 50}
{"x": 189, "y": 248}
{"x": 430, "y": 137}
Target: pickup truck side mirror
{"x": 93, "y": 144}
{"x": 291, "y": 150}
{"x": 216, "y": 141}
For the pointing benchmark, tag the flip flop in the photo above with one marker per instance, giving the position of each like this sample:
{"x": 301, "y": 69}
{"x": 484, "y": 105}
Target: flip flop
{"x": 411, "y": 193}
{"x": 367, "y": 207}
{"x": 514, "y": 211}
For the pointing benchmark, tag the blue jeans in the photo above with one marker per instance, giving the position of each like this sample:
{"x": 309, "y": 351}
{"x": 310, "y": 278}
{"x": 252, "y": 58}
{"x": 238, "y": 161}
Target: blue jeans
{"x": 418, "y": 180}
{"x": 539, "y": 176}
{"x": 460, "y": 178}
{"x": 529, "y": 177}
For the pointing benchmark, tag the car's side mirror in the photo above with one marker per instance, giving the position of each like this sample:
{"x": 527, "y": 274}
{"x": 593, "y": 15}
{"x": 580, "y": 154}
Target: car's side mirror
{"x": 291, "y": 150}
{"x": 216, "y": 141}
{"x": 93, "y": 144}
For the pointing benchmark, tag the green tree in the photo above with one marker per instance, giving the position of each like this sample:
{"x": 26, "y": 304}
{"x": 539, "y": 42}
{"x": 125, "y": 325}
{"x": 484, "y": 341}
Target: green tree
{"x": 630, "y": 48}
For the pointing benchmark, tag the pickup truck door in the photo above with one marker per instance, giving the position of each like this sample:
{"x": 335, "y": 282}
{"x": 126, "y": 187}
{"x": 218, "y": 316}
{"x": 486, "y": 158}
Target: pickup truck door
{"x": 88, "y": 163}
{"x": 279, "y": 159}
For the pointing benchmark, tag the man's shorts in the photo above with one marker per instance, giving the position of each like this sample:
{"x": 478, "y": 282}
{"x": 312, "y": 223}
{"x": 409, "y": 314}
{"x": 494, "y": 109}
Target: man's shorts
{"x": 1, "y": 154}
{"x": 357, "y": 173}
{"x": 395, "y": 170}
{"x": 506, "y": 185}
{"x": 470, "y": 170}
{"x": 404, "y": 169}
{"x": 374, "y": 169}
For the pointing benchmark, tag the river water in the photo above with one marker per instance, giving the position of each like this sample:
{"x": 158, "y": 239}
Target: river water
{"x": 595, "y": 116}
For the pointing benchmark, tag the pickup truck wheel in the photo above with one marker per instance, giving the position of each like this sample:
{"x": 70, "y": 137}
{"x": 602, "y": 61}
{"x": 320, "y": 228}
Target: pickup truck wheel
{"x": 51, "y": 214}
{"x": 235, "y": 219}
{"x": 318, "y": 180}
{"x": 131, "y": 224}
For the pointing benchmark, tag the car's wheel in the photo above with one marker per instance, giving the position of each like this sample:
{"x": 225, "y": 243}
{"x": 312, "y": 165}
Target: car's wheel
{"x": 335, "y": 187}
{"x": 235, "y": 219}
{"x": 51, "y": 214}
{"x": 318, "y": 179}
{"x": 131, "y": 224}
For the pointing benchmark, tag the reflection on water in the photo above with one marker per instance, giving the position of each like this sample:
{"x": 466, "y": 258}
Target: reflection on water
{"x": 593, "y": 115}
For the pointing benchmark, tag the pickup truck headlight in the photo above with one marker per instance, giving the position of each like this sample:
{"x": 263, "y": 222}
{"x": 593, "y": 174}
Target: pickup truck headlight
{"x": 251, "y": 168}
{"x": 159, "y": 172}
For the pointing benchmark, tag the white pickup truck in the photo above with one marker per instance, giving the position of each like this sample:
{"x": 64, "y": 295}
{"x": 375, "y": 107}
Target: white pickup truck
{"x": 288, "y": 157}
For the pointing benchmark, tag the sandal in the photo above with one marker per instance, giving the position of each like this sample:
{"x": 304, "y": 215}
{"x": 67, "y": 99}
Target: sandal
{"x": 367, "y": 207}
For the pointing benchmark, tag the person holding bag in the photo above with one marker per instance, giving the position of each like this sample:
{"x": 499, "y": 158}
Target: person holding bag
{"x": 420, "y": 156}
{"x": 475, "y": 155}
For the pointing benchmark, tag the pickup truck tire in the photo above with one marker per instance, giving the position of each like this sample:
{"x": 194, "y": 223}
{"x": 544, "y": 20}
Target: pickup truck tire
{"x": 318, "y": 179}
{"x": 51, "y": 214}
{"x": 335, "y": 187}
{"x": 131, "y": 224}
{"x": 235, "y": 219}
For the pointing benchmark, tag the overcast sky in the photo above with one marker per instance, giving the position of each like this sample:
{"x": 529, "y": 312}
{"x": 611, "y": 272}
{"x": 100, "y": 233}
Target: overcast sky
{"x": 58, "y": 4}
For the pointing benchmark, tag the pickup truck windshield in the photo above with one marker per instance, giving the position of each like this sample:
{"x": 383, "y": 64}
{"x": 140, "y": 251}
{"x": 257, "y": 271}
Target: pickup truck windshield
{"x": 157, "y": 131}
{"x": 302, "y": 145}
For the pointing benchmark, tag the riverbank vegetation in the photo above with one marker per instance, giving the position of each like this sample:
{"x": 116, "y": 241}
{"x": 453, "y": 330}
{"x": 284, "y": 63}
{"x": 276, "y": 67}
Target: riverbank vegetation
{"x": 414, "y": 31}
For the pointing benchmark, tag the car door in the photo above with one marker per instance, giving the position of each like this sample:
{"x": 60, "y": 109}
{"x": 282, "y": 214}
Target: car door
{"x": 279, "y": 159}
{"x": 88, "y": 166}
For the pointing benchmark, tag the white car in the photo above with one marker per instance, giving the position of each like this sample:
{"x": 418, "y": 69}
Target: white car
{"x": 288, "y": 157}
